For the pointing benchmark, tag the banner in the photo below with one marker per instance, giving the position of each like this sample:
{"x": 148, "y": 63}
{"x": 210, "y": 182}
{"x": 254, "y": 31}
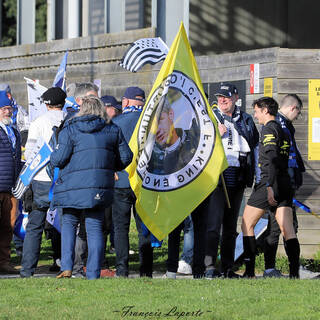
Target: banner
{"x": 268, "y": 87}
{"x": 35, "y": 91}
{"x": 314, "y": 120}
{"x": 178, "y": 155}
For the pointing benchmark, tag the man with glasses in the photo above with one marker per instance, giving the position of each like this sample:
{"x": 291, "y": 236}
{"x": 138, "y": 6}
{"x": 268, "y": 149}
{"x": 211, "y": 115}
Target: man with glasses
{"x": 10, "y": 166}
{"x": 124, "y": 198}
{"x": 290, "y": 109}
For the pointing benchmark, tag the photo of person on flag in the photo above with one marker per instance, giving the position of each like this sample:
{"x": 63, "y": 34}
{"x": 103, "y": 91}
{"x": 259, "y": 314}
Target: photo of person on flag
{"x": 174, "y": 147}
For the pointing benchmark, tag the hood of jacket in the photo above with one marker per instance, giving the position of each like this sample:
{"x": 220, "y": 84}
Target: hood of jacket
{"x": 87, "y": 123}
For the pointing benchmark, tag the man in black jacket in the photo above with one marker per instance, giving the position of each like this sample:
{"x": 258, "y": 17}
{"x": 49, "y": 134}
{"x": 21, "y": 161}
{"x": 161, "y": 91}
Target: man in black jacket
{"x": 290, "y": 109}
{"x": 273, "y": 192}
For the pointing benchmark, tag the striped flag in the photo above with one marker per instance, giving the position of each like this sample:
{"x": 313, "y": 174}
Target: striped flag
{"x": 142, "y": 51}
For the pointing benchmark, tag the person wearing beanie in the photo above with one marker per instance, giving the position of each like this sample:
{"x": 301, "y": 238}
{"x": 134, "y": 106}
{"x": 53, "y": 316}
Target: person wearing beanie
{"x": 20, "y": 116}
{"x": 40, "y": 131}
{"x": 10, "y": 166}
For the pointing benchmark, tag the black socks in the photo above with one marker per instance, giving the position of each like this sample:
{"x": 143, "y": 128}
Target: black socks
{"x": 249, "y": 248}
{"x": 292, "y": 248}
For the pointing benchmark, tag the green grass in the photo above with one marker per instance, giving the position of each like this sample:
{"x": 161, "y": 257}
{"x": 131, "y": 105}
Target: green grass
{"x": 108, "y": 299}
{"x": 49, "y": 298}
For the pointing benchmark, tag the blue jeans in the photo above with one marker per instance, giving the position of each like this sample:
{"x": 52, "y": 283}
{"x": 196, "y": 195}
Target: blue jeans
{"x": 123, "y": 200}
{"x": 35, "y": 226}
{"x": 94, "y": 227}
{"x": 187, "y": 253}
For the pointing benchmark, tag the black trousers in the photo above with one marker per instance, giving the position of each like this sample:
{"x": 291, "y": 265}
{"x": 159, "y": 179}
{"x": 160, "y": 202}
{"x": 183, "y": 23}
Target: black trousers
{"x": 199, "y": 219}
{"x": 222, "y": 216}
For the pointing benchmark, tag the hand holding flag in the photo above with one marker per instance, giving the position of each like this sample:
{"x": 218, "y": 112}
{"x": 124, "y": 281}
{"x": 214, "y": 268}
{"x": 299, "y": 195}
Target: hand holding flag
{"x": 175, "y": 168}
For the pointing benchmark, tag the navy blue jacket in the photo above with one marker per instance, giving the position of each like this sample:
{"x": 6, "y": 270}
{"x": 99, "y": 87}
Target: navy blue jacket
{"x": 127, "y": 122}
{"x": 295, "y": 165}
{"x": 10, "y": 161}
{"x": 88, "y": 153}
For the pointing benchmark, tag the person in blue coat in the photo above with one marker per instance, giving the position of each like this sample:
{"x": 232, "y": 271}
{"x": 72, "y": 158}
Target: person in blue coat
{"x": 90, "y": 150}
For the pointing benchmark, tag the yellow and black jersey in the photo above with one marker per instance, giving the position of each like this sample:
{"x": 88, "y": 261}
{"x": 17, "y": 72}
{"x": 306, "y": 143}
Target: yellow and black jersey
{"x": 274, "y": 146}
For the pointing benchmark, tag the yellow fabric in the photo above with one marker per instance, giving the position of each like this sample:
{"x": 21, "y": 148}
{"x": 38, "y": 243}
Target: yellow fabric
{"x": 161, "y": 211}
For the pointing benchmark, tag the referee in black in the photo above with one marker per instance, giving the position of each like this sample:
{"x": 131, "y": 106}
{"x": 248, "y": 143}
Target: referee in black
{"x": 274, "y": 191}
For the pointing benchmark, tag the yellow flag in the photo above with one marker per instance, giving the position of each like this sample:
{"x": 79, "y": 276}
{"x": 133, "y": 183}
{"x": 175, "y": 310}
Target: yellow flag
{"x": 178, "y": 154}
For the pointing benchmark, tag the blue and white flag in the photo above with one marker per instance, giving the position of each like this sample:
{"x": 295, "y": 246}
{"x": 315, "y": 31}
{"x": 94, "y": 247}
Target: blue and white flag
{"x": 54, "y": 219}
{"x": 142, "y": 51}
{"x": 21, "y": 222}
{"x": 259, "y": 229}
{"x": 36, "y": 106}
{"x": 30, "y": 169}
{"x": 60, "y": 79}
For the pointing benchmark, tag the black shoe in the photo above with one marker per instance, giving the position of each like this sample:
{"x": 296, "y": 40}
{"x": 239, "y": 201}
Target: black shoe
{"x": 230, "y": 274}
{"x": 54, "y": 268}
{"x": 248, "y": 276}
{"x": 198, "y": 276}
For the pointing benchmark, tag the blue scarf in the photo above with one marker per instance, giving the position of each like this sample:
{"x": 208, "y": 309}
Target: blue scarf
{"x": 12, "y": 137}
{"x": 132, "y": 109}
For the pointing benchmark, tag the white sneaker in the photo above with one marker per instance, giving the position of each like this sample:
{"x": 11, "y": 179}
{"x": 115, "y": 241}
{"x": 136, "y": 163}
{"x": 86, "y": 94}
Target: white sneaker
{"x": 169, "y": 275}
{"x": 184, "y": 267}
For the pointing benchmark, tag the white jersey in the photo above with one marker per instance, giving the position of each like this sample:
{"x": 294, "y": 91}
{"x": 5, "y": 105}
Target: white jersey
{"x": 40, "y": 131}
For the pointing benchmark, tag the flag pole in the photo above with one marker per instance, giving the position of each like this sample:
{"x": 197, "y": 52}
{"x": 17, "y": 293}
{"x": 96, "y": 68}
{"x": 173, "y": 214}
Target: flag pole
{"x": 222, "y": 179}
{"x": 225, "y": 191}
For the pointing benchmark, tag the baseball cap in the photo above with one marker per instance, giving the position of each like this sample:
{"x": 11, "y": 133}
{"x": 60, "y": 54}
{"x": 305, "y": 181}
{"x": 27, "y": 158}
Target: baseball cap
{"x": 5, "y": 87}
{"x": 226, "y": 90}
{"x": 133, "y": 92}
{"x": 4, "y": 100}
{"x": 54, "y": 96}
{"x": 111, "y": 101}
{"x": 70, "y": 102}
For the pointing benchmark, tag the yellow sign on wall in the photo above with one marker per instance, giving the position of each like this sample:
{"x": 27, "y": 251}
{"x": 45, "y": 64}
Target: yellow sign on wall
{"x": 268, "y": 87}
{"x": 314, "y": 120}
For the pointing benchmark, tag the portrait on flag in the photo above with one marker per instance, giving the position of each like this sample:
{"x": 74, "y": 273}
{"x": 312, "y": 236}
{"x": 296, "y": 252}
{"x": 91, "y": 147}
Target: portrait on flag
{"x": 183, "y": 141}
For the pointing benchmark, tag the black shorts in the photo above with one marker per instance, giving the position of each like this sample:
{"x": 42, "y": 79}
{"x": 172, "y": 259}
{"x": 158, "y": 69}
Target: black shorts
{"x": 282, "y": 191}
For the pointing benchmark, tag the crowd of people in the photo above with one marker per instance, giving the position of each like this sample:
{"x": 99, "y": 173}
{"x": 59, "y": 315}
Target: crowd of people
{"x": 86, "y": 183}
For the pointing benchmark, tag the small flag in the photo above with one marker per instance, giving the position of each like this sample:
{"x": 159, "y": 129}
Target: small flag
{"x": 54, "y": 219}
{"x": 36, "y": 106}
{"x": 21, "y": 222}
{"x": 30, "y": 169}
{"x": 178, "y": 153}
{"x": 304, "y": 207}
{"x": 259, "y": 229}
{"x": 60, "y": 79}
{"x": 142, "y": 51}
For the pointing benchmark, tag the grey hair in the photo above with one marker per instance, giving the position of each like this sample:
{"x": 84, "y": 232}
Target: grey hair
{"x": 92, "y": 105}
{"x": 82, "y": 89}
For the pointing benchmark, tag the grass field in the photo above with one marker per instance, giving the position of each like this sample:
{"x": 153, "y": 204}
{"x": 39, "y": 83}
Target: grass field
{"x": 49, "y": 298}
{"x": 45, "y": 298}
